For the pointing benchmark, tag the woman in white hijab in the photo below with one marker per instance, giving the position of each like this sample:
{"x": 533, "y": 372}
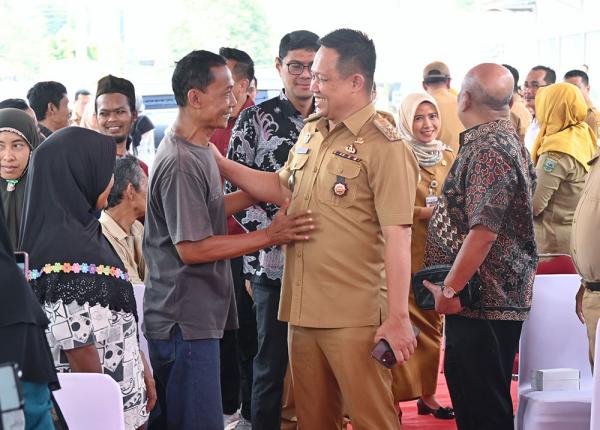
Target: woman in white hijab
{"x": 419, "y": 125}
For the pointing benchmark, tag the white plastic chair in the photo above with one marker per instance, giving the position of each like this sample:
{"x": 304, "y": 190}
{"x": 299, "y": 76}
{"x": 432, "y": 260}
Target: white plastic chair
{"x": 90, "y": 401}
{"x": 138, "y": 291}
{"x": 554, "y": 337}
{"x": 595, "y": 421}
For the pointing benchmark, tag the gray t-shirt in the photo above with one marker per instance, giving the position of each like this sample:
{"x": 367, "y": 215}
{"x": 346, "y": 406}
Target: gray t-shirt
{"x": 185, "y": 203}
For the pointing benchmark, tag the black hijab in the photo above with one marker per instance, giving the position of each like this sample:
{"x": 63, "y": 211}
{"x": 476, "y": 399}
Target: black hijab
{"x": 66, "y": 175}
{"x": 12, "y": 194}
{"x": 22, "y": 320}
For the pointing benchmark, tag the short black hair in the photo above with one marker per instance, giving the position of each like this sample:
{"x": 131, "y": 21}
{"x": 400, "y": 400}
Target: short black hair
{"x": 575, "y": 73}
{"x": 43, "y": 93}
{"x": 299, "y": 39}
{"x": 15, "y": 104}
{"x": 515, "y": 73}
{"x": 244, "y": 66}
{"x": 194, "y": 71}
{"x": 550, "y": 75}
{"x": 356, "y": 53}
{"x": 81, "y": 92}
{"x": 127, "y": 171}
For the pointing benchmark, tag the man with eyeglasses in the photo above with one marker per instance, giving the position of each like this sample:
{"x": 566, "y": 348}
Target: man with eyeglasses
{"x": 539, "y": 76}
{"x": 261, "y": 139}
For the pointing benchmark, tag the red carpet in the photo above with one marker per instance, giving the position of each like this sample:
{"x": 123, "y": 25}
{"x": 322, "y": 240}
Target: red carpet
{"x": 412, "y": 421}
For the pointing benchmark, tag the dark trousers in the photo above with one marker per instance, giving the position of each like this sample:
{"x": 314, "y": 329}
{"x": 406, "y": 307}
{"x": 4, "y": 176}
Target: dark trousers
{"x": 187, "y": 383}
{"x": 271, "y": 359}
{"x": 478, "y": 366}
{"x": 238, "y": 348}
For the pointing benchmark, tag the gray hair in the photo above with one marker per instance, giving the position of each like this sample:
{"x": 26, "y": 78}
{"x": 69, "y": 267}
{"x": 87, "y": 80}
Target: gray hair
{"x": 127, "y": 171}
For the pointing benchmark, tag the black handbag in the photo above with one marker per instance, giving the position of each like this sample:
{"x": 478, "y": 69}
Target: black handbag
{"x": 436, "y": 275}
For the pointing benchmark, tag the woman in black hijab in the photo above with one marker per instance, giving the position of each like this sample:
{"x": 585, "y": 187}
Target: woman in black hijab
{"x": 18, "y": 138}
{"x": 75, "y": 273}
{"x": 22, "y": 325}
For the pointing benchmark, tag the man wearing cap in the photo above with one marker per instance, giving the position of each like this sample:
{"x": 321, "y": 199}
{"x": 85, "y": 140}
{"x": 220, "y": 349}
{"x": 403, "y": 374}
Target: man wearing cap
{"x": 116, "y": 112}
{"x": 436, "y": 81}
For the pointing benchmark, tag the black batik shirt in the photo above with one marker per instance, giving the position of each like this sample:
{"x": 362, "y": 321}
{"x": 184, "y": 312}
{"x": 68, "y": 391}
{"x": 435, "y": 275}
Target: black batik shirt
{"x": 491, "y": 183}
{"x": 261, "y": 139}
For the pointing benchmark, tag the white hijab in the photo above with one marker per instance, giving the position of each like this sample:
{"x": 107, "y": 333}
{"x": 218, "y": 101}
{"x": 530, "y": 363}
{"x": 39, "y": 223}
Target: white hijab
{"x": 428, "y": 154}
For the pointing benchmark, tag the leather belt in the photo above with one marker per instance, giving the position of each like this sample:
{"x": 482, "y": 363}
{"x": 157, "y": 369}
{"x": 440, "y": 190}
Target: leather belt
{"x": 593, "y": 286}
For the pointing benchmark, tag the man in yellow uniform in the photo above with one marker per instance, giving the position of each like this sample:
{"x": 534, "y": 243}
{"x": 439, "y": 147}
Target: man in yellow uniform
{"x": 581, "y": 80}
{"x": 519, "y": 115}
{"x": 352, "y": 170}
{"x": 436, "y": 81}
{"x": 585, "y": 250}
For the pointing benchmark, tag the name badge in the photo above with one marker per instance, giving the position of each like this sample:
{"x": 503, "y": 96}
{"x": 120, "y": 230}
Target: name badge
{"x": 431, "y": 201}
{"x": 302, "y": 149}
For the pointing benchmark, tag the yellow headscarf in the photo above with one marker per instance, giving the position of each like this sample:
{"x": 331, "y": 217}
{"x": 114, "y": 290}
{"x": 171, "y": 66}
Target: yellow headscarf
{"x": 561, "y": 111}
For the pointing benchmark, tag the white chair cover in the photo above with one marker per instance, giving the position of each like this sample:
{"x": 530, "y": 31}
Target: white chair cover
{"x": 90, "y": 401}
{"x": 595, "y": 425}
{"x": 554, "y": 337}
{"x": 138, "y": 290}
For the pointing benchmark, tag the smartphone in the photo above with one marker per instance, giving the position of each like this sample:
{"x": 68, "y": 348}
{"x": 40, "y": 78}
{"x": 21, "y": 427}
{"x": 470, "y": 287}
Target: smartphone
{"x": 11, "y": 395}
{"x": 383, "y": 352}
{"x": 22, "y": 259}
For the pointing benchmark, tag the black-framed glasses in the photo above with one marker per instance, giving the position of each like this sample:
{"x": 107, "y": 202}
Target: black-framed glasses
{"x": 296, "y": 68}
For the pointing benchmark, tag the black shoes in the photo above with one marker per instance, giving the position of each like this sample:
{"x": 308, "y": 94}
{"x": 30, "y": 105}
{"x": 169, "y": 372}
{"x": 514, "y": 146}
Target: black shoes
{"x": 439, "y": 413}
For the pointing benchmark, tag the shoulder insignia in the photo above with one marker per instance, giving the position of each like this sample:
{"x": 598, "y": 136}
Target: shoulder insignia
{"x": 555, "y": 155}
{"x": 549, "y": 165}
{"x": 313, "y": 117}
{"x": 386, "y": 126}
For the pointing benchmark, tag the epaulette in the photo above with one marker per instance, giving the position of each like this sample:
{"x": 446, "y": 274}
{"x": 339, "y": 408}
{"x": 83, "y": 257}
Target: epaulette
{"x": 312, "y": 117}
{"x": 384, "y": 121}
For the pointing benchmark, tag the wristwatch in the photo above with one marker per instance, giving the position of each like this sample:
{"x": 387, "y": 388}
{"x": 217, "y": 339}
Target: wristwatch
{"x": 449, "y": 292}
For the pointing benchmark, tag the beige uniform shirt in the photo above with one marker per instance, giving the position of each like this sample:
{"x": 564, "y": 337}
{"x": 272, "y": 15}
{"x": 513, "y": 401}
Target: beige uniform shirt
{"x": 520, "y": 116}
{"x": 451, "y": 125}
{"x": 593, "y": 119}
{"x": 585, "y": 237}
{"x": 356, "y": 178}
{"x": 128, "y": 247}
{"x": 560, "y": 181}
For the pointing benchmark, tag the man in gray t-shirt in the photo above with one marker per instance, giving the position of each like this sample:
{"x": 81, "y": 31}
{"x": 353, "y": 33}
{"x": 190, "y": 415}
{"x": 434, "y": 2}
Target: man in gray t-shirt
{"x": 189, "y": 293}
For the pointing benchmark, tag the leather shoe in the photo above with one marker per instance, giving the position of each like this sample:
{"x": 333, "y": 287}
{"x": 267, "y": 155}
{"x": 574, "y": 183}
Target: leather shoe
{"x": 439, "y": 413}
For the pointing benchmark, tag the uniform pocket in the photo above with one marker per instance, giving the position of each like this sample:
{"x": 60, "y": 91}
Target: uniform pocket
{"x": 297, "y": 169}
{"x": 339, "y": 171}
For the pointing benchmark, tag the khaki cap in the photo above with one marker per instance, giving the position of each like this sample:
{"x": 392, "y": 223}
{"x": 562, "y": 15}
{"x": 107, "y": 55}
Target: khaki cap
{"x": 436, "y": 70}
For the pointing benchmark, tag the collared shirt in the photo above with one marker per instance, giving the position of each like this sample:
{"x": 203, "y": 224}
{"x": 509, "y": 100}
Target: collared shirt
{"x": 127, "y": 246}
{"x": 451, "y": 127}
{"x": 356, "y": 178}
{"x": 593, "y": 119}
{"x": 261, "y": 139}
{"x": 45, "y": 132}
{"x": 520, "y": 116}
{"x": 531, "y": 134}
{"x": 491, "y": 184}
{"x": 560, "y": 182}
{"x": 221, "y": 138}
{"x": 585, "y": 246}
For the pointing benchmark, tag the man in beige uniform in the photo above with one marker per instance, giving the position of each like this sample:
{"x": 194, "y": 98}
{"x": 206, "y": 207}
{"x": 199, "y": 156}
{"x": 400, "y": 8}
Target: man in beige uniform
{"x": 350, "y": 168}
{"x": 436, "y": 81}
{"x": 581, "y": 80}
{"x": 585, "y": 249}
{"x": 519, "y": 115}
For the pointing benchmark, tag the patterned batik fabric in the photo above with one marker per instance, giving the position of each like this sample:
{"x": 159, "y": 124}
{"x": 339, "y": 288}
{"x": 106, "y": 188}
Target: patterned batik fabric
{"x": 115, "y": 335}
{"x": 491, "y": 183}
{"x": 261, "y": 139}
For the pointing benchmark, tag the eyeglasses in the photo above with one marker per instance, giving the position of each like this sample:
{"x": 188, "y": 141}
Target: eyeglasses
{"x": 296, "y": 68}
{"x": 534, "y": 85}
